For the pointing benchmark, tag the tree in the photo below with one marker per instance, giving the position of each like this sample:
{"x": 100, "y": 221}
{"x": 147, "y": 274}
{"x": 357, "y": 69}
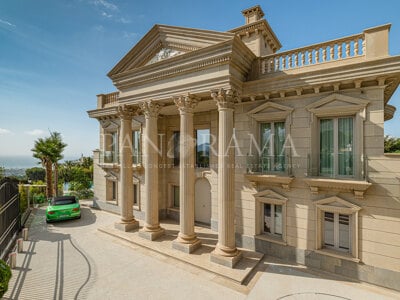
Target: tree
{"x": 392, "y": 144}
{"x": 35, "y": 174}
{"x": 49, "y": 151}
{"x": 58, "y": 147}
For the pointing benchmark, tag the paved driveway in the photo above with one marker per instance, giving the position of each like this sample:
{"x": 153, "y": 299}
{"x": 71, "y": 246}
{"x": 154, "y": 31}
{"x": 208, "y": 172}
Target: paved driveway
{"x": 72, "y": 260}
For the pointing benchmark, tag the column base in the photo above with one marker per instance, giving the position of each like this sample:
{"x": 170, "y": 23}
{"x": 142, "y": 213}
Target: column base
{"x": 151, "y": 235}
{"x": 227, "y": 261}
{"x": 126, "y": 226}
{"x": 186, "y": 247}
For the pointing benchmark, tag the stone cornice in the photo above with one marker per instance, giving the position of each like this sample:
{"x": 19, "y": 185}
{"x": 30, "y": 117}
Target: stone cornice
{"x": 284, "y": 83}
{"x": 358, "y": 187}
{"x": 262, "y": 26}
{"x": 104, "y": 113}
{"x": 389, "y": 112}
{"x": 282, "y": 180}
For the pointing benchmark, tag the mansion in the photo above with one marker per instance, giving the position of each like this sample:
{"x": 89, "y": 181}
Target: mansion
{"x": 277, "y": 152}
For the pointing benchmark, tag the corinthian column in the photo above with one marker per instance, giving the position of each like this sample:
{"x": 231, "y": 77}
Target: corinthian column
{"x": 225, "y": 252}
{"x": 151, "y": 230}
{"x": 186, "y": 240}
{"x": 128, "y": 221}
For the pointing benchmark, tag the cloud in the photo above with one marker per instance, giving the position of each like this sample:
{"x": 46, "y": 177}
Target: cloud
{"x": 4, "y": 131}
{"x": 35, "y": 132}
{"x": 6, "y": 23}
{"x": 105, "y": 4}
{"x": 129, "y": 35}
{"x": 104, "y": 14}
{"x": 124, "y": 20}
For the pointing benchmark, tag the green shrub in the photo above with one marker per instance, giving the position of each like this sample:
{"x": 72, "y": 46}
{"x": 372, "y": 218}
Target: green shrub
{"x": 5, "y": 275}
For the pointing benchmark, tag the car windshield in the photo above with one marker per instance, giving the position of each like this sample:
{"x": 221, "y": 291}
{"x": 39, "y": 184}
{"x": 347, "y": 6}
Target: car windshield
{"x": 63, "y": 201}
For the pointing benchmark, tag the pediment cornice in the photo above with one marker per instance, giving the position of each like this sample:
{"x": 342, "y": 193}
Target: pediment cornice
{"x": 163, "y": 36}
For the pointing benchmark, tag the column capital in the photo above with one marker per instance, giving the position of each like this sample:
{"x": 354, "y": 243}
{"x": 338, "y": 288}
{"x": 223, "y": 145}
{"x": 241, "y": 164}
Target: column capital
{"x": 126, "y": 112}
{"x": 225, "y": 97}
{"x": 151, "y": 109}
{"x": 186, "y": 103}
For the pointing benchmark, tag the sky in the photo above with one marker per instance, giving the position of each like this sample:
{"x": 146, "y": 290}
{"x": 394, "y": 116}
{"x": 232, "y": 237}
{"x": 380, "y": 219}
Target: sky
{"x": 55, "y": 54}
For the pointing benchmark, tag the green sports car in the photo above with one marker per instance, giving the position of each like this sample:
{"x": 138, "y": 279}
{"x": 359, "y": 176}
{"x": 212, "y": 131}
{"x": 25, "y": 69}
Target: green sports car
{"x": 63, "y": 208}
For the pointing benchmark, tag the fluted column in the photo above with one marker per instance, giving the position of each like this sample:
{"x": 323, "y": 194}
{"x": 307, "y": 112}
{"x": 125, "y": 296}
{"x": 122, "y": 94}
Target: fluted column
{"x": 151, "y": 230}
{"x": 225, "y": 252}
{"x": 186, "y": 240}
{"x": 128, "y": 221}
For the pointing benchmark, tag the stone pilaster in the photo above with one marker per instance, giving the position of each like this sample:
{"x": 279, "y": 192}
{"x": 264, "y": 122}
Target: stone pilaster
{"x": 151, "y": 230}
{"x": 225, "y": 252}
{"x": 128, "y": 221}
{"x": 186, "y": 240}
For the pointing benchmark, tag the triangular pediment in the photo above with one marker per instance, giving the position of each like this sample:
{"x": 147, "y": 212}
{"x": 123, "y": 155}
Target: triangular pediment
{"x": 163, "y": 42}
{"x": 270, "y": 110}
{"x": 270, "y": 195}
{"x": 337, "y": 202}
{"x": 337, "y": 101}
{"x": 111, "y": 176}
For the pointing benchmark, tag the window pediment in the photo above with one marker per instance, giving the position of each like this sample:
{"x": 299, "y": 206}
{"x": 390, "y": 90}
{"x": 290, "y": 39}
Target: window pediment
{"x": 337, "y": 104}
{"x": 336, "y": 204}
{"x": 270, "y": 111}
{"x": 270, "y": 196}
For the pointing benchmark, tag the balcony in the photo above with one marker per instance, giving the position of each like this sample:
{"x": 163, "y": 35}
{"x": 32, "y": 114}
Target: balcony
{"x": 270, "y": 169}
{"x": 109, "y": 160}
{"x": 369, "y": 44}
{"x": 107, "y": 100}
{"x": 344, "y": 176}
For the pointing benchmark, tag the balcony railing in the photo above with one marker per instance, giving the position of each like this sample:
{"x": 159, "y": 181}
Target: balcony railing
{"x": 108, "y": 157}
{"x": 107, "y": 100}
{"x": 370, "y": 43}
{"x": 269, "y": 164}
{"x": 356, "y": 169}
{"x": 112, "y": 157}
{"x": 336, "y": 50}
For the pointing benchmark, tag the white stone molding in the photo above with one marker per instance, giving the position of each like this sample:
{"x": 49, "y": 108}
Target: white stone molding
{"x": 355, "y": 186}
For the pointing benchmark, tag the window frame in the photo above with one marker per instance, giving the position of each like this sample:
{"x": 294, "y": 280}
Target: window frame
{"x": 272, "y": 146}
{"x": 195, "y": 148}
{"x": 270, "y": 197}
{"x": 139, "y": 147}
{"x": 340, "y": 206}
{"x": 336, "y": 147}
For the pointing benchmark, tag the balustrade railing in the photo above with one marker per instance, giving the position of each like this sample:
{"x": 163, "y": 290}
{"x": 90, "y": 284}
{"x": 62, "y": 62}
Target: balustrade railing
{"x": 269, "y": 164}
{"x": 335, "y": 50}
{"x": 108, "y": 157}
{"x": 110, "y": 99}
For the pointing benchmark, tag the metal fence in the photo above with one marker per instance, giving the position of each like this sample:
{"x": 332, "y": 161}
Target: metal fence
{"x": 10, "y": 218}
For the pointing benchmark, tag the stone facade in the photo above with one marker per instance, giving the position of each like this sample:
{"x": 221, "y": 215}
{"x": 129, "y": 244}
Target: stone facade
{"x": 293, "y": 163}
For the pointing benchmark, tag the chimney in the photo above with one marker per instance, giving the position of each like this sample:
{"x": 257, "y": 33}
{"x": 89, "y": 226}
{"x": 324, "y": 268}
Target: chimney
{"x": 253, "y": 14}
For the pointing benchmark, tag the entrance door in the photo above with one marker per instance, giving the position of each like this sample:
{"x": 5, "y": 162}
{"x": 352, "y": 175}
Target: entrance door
{"x": 202, "y": 209}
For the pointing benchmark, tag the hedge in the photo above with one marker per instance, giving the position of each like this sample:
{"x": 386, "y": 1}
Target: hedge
{"x": 5, "y": 275}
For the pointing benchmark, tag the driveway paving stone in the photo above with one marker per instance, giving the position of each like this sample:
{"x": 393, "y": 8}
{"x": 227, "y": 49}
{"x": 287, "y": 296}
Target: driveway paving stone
{"x": 73, "y": 260}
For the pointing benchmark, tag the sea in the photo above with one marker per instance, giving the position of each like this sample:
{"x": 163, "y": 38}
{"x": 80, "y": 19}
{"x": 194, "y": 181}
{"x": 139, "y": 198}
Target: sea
{"x": 22, "y": 161}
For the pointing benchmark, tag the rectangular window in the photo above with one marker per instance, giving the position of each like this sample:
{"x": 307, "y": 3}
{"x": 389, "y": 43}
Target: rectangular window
{"x": 114, "y": 190}
{"x": 136, "y": 153}
{"x": 175, "y": 196}
{"x": 336, "y": 147}
{"x": 272, "y": 146}
{"x": 135, "y": 194}
{"x": 203, "y": 148}
{"x": 337, "y": 231}
{"x": 176, "y": 137}
{"x": 273, "y": 219}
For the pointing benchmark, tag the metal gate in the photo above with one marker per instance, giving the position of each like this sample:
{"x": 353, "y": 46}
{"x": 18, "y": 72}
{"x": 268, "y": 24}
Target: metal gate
{"x": 10, "y": 218}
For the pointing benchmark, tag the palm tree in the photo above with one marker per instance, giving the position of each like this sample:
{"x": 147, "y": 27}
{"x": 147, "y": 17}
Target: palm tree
{"x": 49, "y": 151}
{"x": 42, "y": 151}
{"x": 57, "y": 151}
